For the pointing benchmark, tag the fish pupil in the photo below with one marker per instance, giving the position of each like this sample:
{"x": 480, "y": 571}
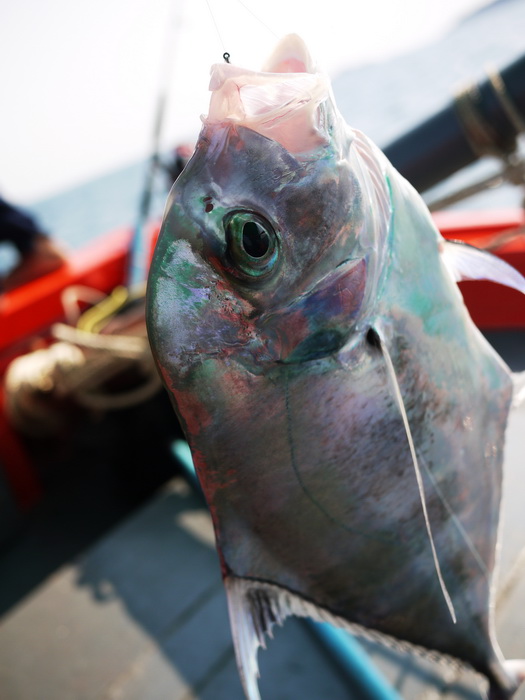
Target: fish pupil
{"x": 255, "y": 240}
{"x": 252, "y": 247}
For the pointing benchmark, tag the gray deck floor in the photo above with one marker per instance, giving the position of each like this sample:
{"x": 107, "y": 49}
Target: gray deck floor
{"x": 142, "y": 616}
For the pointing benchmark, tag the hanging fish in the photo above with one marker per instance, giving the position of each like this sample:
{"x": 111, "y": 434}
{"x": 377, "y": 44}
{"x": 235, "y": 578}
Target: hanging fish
{"x": 346, "y": 417}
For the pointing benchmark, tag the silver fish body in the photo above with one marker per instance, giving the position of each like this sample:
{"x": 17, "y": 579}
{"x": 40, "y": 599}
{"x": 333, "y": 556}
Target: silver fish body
{"x": 346, "y": 418}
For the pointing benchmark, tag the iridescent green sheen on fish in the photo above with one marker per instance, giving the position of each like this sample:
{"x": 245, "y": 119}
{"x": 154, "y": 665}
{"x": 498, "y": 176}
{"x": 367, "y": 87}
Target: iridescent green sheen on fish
{"x": 347, "y": 419}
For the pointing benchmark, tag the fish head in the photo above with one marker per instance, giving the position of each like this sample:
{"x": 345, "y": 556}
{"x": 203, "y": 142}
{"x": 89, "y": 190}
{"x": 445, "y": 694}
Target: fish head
{"x": 273, "y": 237}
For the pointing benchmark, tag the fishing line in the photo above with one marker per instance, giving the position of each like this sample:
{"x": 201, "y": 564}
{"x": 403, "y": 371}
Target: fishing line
{"x": 136, "y": 263}
{"x": 258, "y": 19}
{"x": 374, "y": 339}
{"x": 225, "y": 54}
{"x": 457, "y": 522}
{"x": 399, "y": 400}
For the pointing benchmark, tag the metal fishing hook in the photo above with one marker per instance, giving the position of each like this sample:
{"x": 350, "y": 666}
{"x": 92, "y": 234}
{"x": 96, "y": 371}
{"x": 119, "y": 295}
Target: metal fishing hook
{"x": 226, "y": 56}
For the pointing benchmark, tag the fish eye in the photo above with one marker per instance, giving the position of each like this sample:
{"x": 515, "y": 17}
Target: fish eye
{"x": 251, "y": 244}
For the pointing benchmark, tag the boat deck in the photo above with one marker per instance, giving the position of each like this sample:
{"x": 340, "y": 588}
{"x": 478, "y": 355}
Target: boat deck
{"x": 141, "y": 614}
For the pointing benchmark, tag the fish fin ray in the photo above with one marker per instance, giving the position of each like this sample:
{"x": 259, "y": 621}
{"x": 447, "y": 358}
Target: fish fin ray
{"x": 457, "y": 522}
{"x": 518, "y": 379}
{"x": 287, "y": 603}
{"x": 253, "y": 612}
{"x": 401, "y": 406}
{"x": 468, "y": 263}
{"x": 506, "y": 687}
{"x": 256, "y": 606}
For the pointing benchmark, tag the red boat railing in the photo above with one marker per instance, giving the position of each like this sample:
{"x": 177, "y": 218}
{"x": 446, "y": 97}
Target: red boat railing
{"x": 27, "y": 313}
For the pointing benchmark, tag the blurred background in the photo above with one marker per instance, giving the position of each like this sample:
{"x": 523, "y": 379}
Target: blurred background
{"x": 81, "y": 82}
{"x": 139, "y": 612}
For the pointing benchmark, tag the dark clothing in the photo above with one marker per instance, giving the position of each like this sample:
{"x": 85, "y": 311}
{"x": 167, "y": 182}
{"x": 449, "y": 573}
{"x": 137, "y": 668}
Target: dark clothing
{"x": 17, "y": 227}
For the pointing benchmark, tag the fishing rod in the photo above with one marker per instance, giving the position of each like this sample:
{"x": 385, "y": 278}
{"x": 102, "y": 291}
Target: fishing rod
{"x": 484, "y": 119}
{"x": 136, "y": 260}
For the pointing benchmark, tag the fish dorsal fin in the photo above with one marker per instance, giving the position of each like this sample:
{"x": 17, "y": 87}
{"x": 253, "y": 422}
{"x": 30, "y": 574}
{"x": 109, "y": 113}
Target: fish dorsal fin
{"x": 468, "y": 263}
{"x": 378, "y": 340}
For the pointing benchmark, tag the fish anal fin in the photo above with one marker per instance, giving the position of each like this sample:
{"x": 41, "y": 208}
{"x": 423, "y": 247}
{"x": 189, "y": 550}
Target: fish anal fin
{"x": 253, "y": 612}
{"x": 254, "y": 608}
{"x": 465, "y": 262}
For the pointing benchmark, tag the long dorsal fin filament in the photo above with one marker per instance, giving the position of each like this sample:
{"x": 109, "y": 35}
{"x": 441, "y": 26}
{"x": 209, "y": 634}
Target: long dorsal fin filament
{"x": 401, "y": 406}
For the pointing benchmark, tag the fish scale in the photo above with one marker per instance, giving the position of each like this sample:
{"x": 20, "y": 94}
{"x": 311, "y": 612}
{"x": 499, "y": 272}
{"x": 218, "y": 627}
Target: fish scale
{"x": 346, "y": 418}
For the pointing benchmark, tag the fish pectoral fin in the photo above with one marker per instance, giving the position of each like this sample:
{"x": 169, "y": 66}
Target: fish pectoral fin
{"x": 465, "y": 262}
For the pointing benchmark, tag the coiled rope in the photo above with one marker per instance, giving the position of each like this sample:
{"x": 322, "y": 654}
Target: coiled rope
{"x": 78, "y": 367}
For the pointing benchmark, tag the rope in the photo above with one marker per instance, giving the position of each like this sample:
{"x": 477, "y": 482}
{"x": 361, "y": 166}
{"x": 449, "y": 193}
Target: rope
{"x": 478, "y": 132}
{"x": 93, "y": 318}
{"x": 121, "y": 346}
{"x": 512, "y": 113}
{"x": 77, "y": 369}
{"x": 483, "y": 140}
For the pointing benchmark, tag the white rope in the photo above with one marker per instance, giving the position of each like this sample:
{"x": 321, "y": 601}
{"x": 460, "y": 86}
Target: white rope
{"x": 77, "y": 367}
{"x": 72, "y": 295}
{"x": 123, "y": 346}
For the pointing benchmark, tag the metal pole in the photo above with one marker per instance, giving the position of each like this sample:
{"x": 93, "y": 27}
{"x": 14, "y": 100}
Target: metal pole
{"x": 136, "y": 264}
{"x": 442, "y": 144}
